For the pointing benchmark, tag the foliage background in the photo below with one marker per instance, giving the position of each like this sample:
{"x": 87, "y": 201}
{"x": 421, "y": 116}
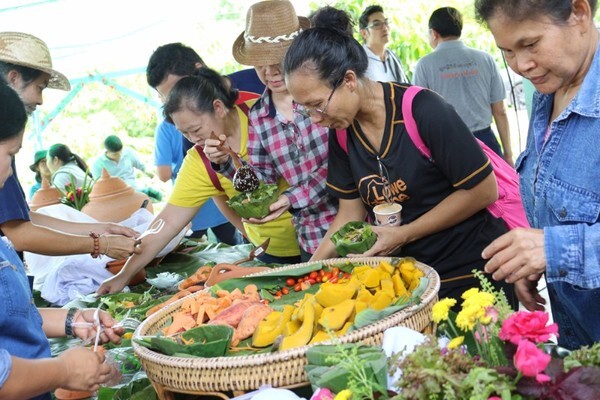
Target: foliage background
{"x": 99, "y": 110}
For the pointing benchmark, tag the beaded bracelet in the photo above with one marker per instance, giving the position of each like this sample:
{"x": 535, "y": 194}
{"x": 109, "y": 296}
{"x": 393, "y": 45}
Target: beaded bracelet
{"x": 69, "y": 322}
{"x": 96, "y": 237}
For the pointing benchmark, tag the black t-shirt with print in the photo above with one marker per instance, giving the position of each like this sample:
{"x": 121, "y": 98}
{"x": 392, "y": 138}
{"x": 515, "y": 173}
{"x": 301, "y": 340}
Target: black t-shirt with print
{"x": 417, "y": 183}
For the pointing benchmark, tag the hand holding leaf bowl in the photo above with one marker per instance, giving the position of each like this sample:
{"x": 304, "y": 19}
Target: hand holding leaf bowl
{"x": 256, "y": 203}
{"x": 354, "y": 238}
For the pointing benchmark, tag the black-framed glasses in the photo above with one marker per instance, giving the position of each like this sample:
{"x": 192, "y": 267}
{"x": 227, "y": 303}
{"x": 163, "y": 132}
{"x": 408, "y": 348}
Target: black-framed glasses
{"x": 385, "y": 178}
{"x": 377, "y": 25}
{"x": 321, "y": 112}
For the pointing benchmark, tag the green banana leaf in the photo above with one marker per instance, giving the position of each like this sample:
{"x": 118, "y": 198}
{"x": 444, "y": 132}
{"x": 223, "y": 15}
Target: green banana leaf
{"x": 255, "y": 204}
{"x": 277, "y": 277}
{"x": 326, "y": 367}
{"x": 355, "y": 237}
{"x": 208, "y": 341}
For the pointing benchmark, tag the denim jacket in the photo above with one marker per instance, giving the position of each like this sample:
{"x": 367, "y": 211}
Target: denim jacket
{"x": 560, "y": 182}
{"x": 21, "y": 332}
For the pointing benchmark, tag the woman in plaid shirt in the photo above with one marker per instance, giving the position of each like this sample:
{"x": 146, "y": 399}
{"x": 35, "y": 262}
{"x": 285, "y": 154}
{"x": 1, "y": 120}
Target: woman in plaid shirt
{"x": 282, "y": 143}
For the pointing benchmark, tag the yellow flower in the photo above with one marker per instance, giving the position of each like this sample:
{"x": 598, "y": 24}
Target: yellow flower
{"x": 345, "y": 394}
{"x": 469, "y": 293}
{"x": 127, "y": 335}
{"x": 456, "y": 342}
{"x": 468, "y": 317}
{"x": 480, "y": 299}
{"x": 441, "y": 308}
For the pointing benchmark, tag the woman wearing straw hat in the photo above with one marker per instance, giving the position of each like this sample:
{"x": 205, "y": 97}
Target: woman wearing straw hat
{"x": 282, "y": 143}
{"x": 26, "y": 66}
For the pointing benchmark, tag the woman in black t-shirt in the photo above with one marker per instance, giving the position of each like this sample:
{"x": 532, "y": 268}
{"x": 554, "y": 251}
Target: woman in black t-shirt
{"x": 444, "y": 219}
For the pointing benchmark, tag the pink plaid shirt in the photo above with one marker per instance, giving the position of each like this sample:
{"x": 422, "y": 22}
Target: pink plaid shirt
{"x": 296, "y": 151}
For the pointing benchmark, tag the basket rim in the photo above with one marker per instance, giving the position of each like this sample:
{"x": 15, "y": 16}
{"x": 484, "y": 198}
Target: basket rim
{"x": 259, "y": 359}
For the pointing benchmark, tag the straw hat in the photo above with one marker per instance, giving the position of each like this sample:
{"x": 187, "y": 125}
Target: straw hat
{"x": 270, "y": 28}
{"x": 29, "y": 51}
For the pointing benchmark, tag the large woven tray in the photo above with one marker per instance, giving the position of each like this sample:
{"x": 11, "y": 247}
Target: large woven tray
{"x": 279, "y": 369}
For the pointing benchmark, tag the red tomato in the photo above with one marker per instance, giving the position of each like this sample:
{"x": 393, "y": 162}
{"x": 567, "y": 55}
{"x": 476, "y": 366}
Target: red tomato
{"x": 313, "y": 275}
{"x": 298, "y": 287}
{"x": 285, "y": 290}
{"x": 290, "y": 282}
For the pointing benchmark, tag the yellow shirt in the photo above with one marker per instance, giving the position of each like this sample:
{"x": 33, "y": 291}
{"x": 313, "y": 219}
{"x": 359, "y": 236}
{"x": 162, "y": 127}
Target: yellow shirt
{"x": 193, "y": 188}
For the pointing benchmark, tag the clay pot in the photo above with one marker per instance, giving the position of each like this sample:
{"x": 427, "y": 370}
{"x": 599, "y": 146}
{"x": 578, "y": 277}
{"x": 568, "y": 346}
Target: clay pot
{"x": 112, "y": 200}
{"x": 66, "y": 394}
{"x": 45, "y": 196}
{"x": 114, "y": 267}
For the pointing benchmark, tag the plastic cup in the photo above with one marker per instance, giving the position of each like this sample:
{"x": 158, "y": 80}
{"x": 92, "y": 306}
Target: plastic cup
{"x": 388, "y": 214}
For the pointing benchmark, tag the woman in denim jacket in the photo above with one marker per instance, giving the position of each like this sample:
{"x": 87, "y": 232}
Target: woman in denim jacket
{"x": 555, "y": 45}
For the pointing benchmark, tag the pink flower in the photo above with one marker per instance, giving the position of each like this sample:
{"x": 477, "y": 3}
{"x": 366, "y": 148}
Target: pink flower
{"x": 323, "y": 394}
{"x": 531, "y": 361}
{"x": 494, "y": 398}
{"x": 527, "y": 325}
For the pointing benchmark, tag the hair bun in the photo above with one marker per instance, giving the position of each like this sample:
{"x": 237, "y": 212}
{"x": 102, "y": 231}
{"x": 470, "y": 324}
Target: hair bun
{"x": 332, "y": 18}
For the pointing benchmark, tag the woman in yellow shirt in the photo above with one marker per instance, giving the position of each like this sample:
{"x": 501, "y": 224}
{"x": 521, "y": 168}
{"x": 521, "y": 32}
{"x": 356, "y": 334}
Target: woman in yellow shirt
{"x": 199, "y": 105}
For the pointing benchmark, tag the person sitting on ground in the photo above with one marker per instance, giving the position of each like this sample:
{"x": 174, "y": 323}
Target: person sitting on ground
{"x": 119, "y": 161}
{"x": 445, "y": 223}
{"x": 24, "y": 329}
{"x": 28, "y": 73}
{"x": 473, "y": 87}
{"x": 201, "y": 105}
{"x": 66, "y": 167}
{"x": 41, "y": 170}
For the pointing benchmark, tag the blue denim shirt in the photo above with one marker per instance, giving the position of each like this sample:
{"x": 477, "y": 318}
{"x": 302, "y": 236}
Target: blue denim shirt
{"x": 21, "y": 332}
{"x": 560, "y": 182}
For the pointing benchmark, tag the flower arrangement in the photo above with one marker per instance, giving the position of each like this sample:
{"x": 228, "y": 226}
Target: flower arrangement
{"x": 493, "y": 353}
{"x": 74, "y": 196}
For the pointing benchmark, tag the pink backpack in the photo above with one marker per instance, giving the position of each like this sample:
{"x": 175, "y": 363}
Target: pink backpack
{"x": 508, "y": 206}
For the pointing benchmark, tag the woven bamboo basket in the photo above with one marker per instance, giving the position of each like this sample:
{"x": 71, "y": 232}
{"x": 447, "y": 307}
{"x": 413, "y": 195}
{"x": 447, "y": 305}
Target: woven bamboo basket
{"x": 278, "y": 369}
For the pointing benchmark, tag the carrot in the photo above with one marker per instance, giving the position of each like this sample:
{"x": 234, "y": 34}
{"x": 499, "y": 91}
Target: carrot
{"x": 179, "y": 295}
{"x": 200, "y": 276}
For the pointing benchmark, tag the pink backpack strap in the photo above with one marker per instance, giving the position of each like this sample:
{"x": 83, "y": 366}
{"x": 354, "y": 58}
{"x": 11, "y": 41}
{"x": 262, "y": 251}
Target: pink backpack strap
{"x": 409, "y": 121}
{"x": 211, "y": 172}
{"x": 342, "y": 139}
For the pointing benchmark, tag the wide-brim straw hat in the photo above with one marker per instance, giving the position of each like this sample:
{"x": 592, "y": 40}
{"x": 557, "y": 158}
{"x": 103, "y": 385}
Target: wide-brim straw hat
{"x": 271, "y": 26}
{"x": 29, "y": 51}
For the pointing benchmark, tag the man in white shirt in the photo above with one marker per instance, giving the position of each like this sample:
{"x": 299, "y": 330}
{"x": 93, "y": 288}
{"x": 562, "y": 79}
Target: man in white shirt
{"x": 384, "y": 65}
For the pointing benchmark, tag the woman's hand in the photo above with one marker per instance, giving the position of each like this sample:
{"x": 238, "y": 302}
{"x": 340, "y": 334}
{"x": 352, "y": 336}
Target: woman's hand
{"x": 213, "y": 149}
{"x": 275, "y": 210}
{"x": 114, "y": 284}
{"x": 116, "y": 229}
{"x": 389, "y": 241}
{"x": 119, "y": 247}
{"x": 528, "y": 294}
{"x": 83, "y": 369}
{"x": 518, "y": 254}
{"x": 106, "y": 321}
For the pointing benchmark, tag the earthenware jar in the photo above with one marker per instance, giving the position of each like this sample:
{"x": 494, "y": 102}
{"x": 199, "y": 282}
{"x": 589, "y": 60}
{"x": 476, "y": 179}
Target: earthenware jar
{"x": 112, "y": 200}
{"x": 45, "y": 196}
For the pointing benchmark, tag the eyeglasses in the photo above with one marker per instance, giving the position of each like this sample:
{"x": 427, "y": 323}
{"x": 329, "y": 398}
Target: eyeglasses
{"x": 377, "y": 25}
{"x": 309, "y": 112}
{"x": 385, "y": 178}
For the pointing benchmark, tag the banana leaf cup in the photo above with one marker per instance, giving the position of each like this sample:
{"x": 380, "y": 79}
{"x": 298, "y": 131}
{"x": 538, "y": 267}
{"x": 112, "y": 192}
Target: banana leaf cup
{"x": 255, "y": 204}
{"x": 354, "y": 238}
{"x": 203, "y": 341}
